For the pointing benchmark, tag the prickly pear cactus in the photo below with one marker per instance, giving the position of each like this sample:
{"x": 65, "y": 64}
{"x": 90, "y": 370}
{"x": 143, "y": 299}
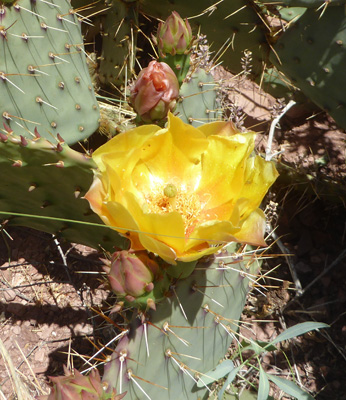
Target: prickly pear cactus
{"x": 163, "y": 354}
{"x": 232, "y": 27}
{"x": 197, "y": 104}
{"x": 308, "y": 3}
{"x": 44, "y": 79}
{"x": 312, "y": 54}
{"x": 119, "y": 39}
{"x": 49, "y": 180}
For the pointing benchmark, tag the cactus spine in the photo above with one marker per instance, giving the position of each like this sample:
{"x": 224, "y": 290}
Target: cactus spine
{"x": 49, "y": 180}
{"x": 171, "y": 348}
{"x": 44, "y": 78}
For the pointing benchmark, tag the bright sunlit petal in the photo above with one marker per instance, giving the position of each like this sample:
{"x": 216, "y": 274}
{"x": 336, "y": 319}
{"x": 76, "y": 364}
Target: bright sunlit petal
{"x": 184, "y": 191}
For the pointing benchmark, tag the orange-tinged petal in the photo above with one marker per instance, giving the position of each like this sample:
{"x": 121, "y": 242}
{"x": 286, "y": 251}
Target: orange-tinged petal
{"x": 223, "y": 212}
{"x": 122, "y": 221}
{"x": 197, "y": 254}
{"x": 213, "y": 232}
{"x": 95, "y": 195}
{"x": 253, "y": 229}
{"x": 221, "y": 128}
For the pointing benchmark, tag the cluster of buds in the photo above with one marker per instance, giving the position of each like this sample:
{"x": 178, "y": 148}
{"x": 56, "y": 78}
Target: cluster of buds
{"x": 155, "y": 92}
{"x": 79, "y": 387}
{"x": 131, "y": 274}
{"x": 156, "y": 89}
{"x": 174, "y": 36}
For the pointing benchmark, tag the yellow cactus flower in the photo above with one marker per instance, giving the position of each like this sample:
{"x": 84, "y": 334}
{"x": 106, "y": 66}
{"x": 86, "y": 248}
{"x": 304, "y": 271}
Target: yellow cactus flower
{"x": 182, "y": 192}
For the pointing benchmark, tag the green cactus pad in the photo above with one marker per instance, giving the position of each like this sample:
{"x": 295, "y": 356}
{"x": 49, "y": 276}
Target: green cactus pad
{"x": 291, "y": 13}
{"x": 197, "y": 104}
{"x": 44, "y": 78}
{"x": 306, "y": 3}
{"x": 49, "y": 181}
{"x": 119, "y": 42}
{"x": 186, "y": 336}
{"x": 312, "y": 55}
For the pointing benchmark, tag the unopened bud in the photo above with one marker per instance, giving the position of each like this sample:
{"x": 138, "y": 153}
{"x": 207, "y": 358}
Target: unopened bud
{"x": 80, "y": 387}
{"x": 174, "y": 36}
{"x": 155, "y": 92}
{"x": 130, "y": 275}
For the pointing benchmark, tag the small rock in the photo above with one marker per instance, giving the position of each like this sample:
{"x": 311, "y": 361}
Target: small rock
{"x": 16, "y": 330}
{"x": 40, "y": 355}
{"x": 45, "y": 333}
{"x": 83, "y": 329}
{"x": 9, "y": 295}
{"x": 40, "y": 369}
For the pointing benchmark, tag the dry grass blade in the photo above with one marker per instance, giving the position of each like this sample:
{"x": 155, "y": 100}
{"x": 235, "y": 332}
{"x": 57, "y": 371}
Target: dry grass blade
{"x": 19, "y": 388}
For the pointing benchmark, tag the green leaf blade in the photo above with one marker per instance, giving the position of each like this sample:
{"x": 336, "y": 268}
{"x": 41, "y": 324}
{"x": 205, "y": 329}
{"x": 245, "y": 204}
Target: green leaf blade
{"x": 216, "y": 373}
{"x": 229, "y": 380}
{"x": 298, "y": 330}
{"x": 290, "y": 388}
{"x": 263, "y": 388}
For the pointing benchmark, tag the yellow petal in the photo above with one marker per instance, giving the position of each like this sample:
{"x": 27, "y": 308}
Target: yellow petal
{"x": 223, "y": 166}
{"x": 122, "y": 145}
{"x": 166, "y": 228}
{"x": 111, "y": 182}
{"x": 259, "y": 176}
{"x": 122, "y": 221}
{"x": 196, "y": 255}
{"x": 213, "y": 233}
{"x": 221, "y": 128}
{"x": 161, "y": 249}
{"x": 175, "y": 153}
{"x": 117, "y": 158}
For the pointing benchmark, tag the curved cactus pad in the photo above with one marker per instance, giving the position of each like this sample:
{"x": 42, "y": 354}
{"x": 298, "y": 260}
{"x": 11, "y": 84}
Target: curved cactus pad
{"x": 197, "y": 104}
{"x": 48, "y": 181}
{"x": 44, "y": 78}
{"x": 187, "y": 335}
{"x": 312, "y": 56}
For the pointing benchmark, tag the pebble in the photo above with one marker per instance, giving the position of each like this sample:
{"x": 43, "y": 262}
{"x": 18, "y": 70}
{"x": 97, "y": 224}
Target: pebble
{"x": 9, "y": 295}
{"x": 40, "y": 355}
{"x": 16, "y": 330}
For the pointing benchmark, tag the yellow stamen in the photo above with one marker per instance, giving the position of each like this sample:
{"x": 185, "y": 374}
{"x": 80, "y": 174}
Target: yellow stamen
{"x": 167, "y": 198}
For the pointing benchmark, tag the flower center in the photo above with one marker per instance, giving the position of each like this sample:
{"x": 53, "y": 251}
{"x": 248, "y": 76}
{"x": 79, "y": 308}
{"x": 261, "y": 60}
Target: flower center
{"x": 167, "y": 198}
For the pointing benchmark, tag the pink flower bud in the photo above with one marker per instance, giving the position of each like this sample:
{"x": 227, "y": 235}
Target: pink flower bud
{"x": 155, "y": 92}
{"x": 174, "y": 36}
{"x": 80, "y": 387}
{"x": 130, "y": 274}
